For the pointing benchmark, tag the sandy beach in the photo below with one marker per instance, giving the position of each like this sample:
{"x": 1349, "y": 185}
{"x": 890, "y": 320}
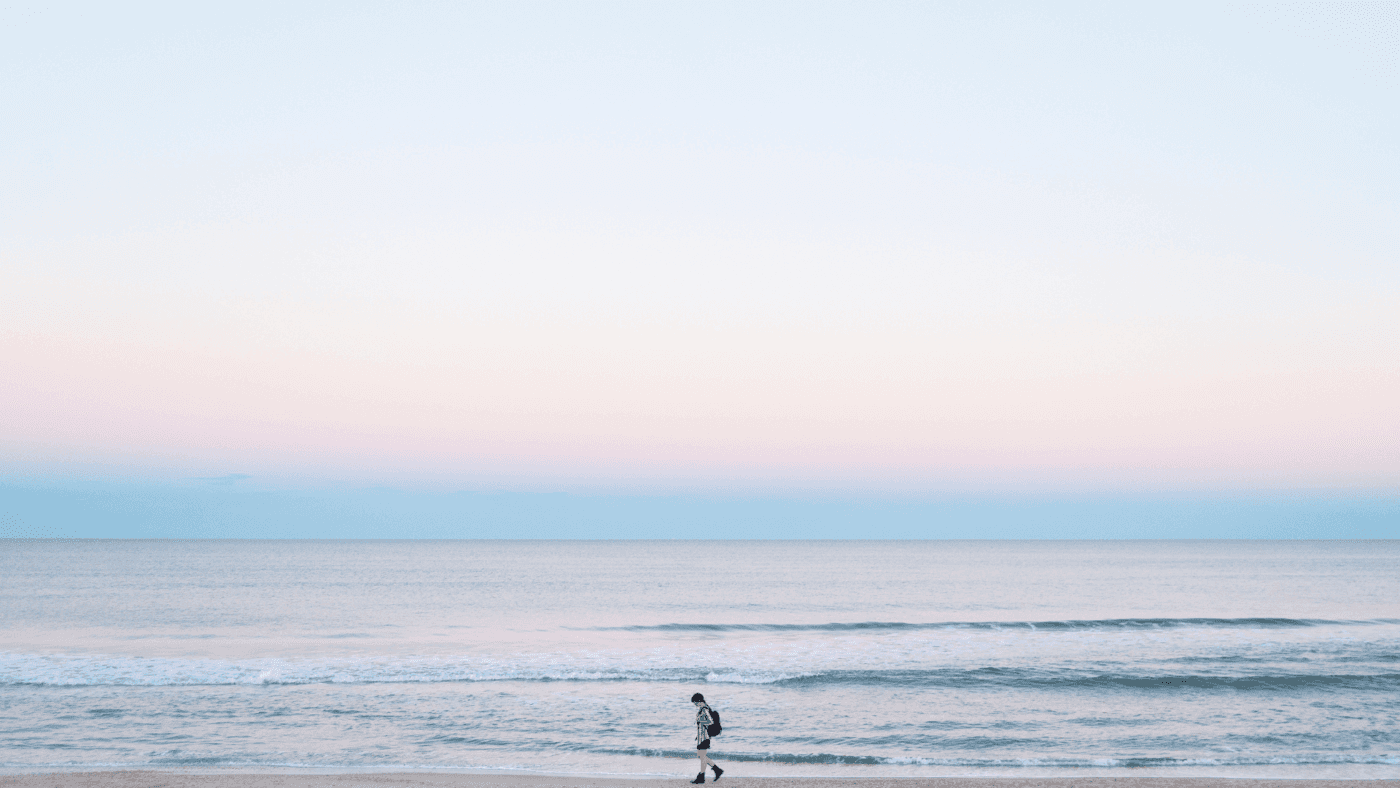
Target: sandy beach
{"x": 157, "y": 779}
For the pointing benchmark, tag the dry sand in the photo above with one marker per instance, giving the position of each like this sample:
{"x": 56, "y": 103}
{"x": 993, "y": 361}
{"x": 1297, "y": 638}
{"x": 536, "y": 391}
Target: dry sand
{"x": 135, "y": 779}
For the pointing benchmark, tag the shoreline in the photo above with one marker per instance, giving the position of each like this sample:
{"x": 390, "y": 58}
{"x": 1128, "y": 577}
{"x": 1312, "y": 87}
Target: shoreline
{"x": 183, "y": 779}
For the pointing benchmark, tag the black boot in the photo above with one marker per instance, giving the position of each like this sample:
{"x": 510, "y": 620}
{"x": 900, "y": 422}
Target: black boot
{"x": 718, "y": 771}
{"x": 699, "y": 779}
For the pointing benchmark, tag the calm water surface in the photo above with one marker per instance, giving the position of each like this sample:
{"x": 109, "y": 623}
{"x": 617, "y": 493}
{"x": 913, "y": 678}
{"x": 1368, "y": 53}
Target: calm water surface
{"x": 834, "y": 658}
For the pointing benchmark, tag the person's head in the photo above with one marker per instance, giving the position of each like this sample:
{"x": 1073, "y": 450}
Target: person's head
{"x": 697, "y": 699}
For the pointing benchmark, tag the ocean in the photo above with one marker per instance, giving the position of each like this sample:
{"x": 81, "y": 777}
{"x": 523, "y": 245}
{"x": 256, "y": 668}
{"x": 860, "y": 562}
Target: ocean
{"x": 835, "y": 658}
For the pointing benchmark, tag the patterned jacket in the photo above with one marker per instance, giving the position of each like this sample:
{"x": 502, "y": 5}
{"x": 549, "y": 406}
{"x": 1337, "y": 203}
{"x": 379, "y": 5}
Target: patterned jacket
{"x": 702, "y": 724}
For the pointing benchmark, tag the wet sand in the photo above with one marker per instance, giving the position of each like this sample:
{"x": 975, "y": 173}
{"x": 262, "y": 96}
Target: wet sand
{"x": 154, "y": 779}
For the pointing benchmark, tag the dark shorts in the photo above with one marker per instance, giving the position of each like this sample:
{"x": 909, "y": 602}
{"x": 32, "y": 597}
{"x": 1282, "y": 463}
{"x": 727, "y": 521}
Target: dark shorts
{"x": 704, "y": 745}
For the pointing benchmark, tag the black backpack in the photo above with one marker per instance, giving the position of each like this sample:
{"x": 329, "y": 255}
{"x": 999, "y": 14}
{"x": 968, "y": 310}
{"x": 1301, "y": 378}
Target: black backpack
{"x": 714, "y": 728}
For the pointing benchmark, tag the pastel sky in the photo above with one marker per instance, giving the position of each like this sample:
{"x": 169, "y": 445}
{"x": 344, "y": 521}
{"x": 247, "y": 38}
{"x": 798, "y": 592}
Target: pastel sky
{"x": 677, "y": 247}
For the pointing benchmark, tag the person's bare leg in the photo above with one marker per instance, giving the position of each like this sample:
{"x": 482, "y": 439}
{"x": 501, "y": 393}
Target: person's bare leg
{"x": 705, "y": 761}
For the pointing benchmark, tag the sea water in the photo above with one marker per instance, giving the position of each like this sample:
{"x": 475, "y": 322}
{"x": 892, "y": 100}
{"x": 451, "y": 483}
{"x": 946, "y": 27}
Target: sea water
{"x": 853, "y": 658}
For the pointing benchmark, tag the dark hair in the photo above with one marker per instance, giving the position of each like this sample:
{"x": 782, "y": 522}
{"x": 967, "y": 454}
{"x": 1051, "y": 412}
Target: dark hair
{"x": 697, "y": 698}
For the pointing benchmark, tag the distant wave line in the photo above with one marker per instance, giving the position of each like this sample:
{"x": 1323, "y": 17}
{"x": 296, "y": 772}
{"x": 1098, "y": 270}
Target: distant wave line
{"x": 1070, "y": 624}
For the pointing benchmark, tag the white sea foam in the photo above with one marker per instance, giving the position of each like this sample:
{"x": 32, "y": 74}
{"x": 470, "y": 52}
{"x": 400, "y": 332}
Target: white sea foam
{"x": 67, "y": 670}
{"x": 747, "y": 678}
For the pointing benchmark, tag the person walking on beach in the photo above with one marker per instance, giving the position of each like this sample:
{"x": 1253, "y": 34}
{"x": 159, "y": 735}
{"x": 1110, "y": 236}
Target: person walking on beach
{"x": 703, "y": 720}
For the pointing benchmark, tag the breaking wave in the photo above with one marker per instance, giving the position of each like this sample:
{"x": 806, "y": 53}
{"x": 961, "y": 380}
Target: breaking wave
{"x": 78, "y": 671}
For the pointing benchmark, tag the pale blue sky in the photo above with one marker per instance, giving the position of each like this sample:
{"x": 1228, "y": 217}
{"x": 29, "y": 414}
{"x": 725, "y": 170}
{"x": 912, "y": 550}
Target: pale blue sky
{"x": 706, "y": 248}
